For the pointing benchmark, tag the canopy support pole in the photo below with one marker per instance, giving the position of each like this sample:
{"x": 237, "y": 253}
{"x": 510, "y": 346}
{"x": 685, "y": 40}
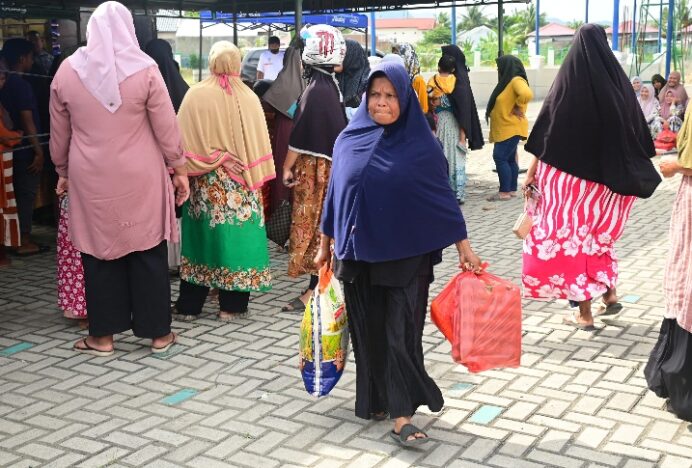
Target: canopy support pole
{"x": 538, "y": 27}
{"x": 669, "y": 36}
{"x": 500, "y": 28}
{"x": 616, "y": 25}
{"x": 454, "y": 23}
{"x": 199, "y": 62}
{"x": 373, "y": 34}
{"x": 299, "y": 16}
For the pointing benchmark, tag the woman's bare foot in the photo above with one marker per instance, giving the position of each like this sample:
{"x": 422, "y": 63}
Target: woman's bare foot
{"x": 226, "y": 316}
{"x": 83, "y": 324}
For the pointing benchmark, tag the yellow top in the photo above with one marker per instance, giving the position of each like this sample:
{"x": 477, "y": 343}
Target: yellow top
{"x": 439, "y": 85}
{"x": 684, "y": 137}
{"x": 503, "y": 124}
{"x": 421, "y": 91}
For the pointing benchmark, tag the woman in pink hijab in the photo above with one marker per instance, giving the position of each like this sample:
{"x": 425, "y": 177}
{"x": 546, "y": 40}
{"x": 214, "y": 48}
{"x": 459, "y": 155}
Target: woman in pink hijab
{"x": 114, "y": 137}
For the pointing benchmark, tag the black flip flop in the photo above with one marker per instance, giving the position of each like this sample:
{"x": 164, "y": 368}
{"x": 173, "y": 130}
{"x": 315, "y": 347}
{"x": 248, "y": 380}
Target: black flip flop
{"x": 609, "y": 309}
{"x": 407, "y": 431}
{"x": 296, "y": 305}
{"x": 88, "y": 349}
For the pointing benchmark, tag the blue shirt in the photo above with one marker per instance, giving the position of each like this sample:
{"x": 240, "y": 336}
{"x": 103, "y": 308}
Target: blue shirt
{"x": 17, "y": 96}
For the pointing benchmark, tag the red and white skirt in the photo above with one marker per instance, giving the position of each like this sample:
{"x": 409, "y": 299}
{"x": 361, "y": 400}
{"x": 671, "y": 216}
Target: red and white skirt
{"x": 569, "y": 253}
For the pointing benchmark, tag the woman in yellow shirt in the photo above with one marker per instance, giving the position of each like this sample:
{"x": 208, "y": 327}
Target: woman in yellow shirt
{"x": 508, "y": 123}
{"x": 412, "y": 65}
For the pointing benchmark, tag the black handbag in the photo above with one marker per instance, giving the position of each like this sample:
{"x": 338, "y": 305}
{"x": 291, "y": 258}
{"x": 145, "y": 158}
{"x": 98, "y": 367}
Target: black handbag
{"x": 279, "y": 224}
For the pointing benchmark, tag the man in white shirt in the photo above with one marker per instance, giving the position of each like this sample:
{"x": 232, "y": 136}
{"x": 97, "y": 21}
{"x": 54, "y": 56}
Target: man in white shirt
{"x": 271, "y": 61}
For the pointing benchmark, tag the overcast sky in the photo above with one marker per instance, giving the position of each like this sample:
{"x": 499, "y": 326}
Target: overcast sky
{"x": 566, "y": 10}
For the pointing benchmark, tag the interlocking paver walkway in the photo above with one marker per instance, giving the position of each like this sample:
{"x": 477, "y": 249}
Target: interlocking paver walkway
{"x": 230, "y": 394}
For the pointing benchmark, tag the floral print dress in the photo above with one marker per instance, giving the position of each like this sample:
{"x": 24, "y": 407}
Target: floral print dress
{"x": 224, "y": 241}
{"x": 71, "y": 296}
{"x": 569, "y": 253}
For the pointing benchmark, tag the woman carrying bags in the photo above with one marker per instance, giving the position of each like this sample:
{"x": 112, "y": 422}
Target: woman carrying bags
{"x": 390, "y": 211}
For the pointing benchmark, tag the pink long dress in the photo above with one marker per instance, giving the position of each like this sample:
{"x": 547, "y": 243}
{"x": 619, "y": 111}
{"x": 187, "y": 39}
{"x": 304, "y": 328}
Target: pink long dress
{"x": 121, "y": 196}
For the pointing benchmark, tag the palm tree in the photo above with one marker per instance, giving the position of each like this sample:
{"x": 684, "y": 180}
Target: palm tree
{"x": 522, "y": 23}
{"x": 575, "y": 24}
{"x": 473, "y": 17}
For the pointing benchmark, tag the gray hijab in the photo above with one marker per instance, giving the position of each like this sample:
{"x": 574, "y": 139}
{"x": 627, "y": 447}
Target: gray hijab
{"x": 289, "y": 84}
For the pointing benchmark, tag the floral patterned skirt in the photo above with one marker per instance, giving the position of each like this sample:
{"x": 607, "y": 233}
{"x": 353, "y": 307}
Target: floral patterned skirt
{"x": 224, "y": 241}
{"x": 312, "y": 174}
{"x": 569, "y": 253}
{"x": 71, "y": 298}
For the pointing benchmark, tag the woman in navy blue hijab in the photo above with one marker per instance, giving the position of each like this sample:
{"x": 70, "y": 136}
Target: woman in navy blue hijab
{"x": 390, "y": 211}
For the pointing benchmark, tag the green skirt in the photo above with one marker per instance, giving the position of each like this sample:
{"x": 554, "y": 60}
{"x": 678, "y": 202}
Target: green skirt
{"x": 224, "y": 242}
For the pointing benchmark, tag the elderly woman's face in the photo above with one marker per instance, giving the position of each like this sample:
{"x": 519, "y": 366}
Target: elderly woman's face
{"x": 645, "y": 93}
{"x": 637, "y": 85}
{"x": 674, "y": 79}
{"x": 383, "y": 102}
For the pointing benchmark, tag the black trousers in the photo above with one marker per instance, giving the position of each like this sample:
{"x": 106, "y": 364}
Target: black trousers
{"x": 192, "y": 297}
{"x": 386, "y": 325}
{"x": 132, "y": 292}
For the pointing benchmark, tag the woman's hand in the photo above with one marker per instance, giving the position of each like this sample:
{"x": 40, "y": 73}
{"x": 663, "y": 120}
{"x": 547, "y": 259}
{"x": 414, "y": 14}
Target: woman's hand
{"x": 669, "y": 168}
{"x": 323, "y": 258}
{"x": 324, "y": 253}
{"x": 63, "y": 185}
{"x": 182, "y": 188}
{"x": 518, "y": 112}
{"x": 234, "y": 165}
{"x": 288, "y": 179}
{"x": 468, "y": 260}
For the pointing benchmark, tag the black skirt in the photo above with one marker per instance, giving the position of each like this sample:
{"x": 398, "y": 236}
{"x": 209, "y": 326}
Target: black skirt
{"x": 669, "y": 370}
{"x": 386, "y": 325}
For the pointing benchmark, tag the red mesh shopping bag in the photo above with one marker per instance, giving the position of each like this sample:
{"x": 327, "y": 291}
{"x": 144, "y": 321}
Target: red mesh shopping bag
{"x": 480, "y": 314}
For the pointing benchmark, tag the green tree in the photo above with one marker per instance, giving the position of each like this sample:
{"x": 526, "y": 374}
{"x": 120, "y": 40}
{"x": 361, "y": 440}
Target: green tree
{"x": 440, "y": 34}
{"x": 473, "y": 17}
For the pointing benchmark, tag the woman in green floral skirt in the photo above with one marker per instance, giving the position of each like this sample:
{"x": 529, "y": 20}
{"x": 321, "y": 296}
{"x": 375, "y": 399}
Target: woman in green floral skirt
{"x": 229, "y": 159}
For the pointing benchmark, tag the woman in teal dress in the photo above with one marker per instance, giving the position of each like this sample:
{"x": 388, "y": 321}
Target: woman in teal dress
{"x": 229, "y": 158}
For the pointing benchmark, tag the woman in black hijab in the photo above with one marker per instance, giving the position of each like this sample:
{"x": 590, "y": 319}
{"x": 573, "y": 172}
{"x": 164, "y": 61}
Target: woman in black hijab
{"x": 593, "y": 153}
{"x": 508, "y": 123}
{"x": 464, "y": 105}
{"x": 658, "y": 83}
{"x": 162, "y": 53}
{"x": 353, "y": 74}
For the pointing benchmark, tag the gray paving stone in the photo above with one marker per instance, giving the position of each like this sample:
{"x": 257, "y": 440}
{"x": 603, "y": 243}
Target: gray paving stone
{"x": 579, "y": 398}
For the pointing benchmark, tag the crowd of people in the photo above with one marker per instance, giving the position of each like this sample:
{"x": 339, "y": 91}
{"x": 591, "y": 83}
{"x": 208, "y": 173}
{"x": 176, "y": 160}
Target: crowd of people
{"x": 372, "y": 163}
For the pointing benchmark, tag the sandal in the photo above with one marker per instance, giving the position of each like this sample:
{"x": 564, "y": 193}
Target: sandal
{"x": 86, "y": 348}
{"x": 176, "y": 315}
{"x": 497, "y": 197}
{"x": 39, "y": 250}
{"x": 609, "y": 309}
{"x": 163, "y": 349}
{"x": 573, "y": 322}
{"x": 295, "y": 305}
{"x": 228, "y": 316}
{"x": 407, "y": 431}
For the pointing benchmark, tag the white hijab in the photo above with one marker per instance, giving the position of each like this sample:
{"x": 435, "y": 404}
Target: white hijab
{"x": 111, "y": 55}
{"x": 648, "y": 105}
